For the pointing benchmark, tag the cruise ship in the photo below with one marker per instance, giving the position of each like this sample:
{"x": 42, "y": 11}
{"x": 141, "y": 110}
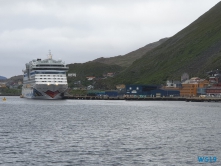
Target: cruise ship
{"x": 45, "y": 79}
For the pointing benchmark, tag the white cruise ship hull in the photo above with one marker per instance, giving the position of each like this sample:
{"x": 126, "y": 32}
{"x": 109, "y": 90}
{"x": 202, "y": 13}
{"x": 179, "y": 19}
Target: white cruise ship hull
{"x": 50, "y": 92}
{"x": 45, "y": 79}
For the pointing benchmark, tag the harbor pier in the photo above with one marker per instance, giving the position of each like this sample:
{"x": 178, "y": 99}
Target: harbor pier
{"x": 187, "y": 99}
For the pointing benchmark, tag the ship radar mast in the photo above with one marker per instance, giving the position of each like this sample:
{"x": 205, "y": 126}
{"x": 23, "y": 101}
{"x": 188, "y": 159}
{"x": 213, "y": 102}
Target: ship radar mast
{"x": 49, "y": 55}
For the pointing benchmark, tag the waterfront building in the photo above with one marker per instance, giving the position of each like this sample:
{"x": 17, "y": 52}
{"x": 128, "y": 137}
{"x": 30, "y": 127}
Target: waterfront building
{"x": 189, "y": 89}
{"x": 120, "y": 86}
{"x": 149, "y": 91}
{"x": 173, "y": 84}
{"x": 193, "y": 87}
{"x": 214, "y": 91}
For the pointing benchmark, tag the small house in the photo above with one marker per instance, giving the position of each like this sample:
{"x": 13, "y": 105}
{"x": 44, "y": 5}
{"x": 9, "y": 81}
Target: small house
{"x": 90, "y": 78}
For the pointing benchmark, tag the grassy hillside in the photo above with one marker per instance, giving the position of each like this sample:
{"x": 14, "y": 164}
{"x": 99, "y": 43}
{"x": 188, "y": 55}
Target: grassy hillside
{"x": 17, "y": 78}
{"x": 127, "y": 59}
{"x": 102, "y": 66}
{"x": 95, "y": 69}
{"x": 195, "y": 50}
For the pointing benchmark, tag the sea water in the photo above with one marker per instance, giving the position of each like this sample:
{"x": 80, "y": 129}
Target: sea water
{"x": 106, "y": 132}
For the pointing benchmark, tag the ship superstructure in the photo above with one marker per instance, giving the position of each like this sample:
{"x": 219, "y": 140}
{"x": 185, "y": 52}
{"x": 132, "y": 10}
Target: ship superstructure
{"x": 45, "y": 79}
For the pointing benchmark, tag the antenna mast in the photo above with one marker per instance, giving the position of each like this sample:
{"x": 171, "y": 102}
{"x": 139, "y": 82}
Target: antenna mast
{"x": 49, "y": 55}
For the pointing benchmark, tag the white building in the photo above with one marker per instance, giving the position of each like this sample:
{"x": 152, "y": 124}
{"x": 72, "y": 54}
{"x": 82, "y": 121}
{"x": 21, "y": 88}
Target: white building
{"x": 173, "y": 84}
{"x": 72, "y": 74}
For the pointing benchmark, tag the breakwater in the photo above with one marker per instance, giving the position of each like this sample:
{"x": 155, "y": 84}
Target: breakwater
{"x": 197, "y": 99}
{"x": 187, "y": 99}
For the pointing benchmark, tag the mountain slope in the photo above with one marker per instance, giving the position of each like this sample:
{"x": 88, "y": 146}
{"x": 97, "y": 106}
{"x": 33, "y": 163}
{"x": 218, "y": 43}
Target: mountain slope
{"x": 96, "y": 69}
{"x": 195, "y": 50}
{"x": 87, "y": 69}
{"x": 17, "y": 78}
{"x": 2, "y": 78}
{"x": 128, "y": 59}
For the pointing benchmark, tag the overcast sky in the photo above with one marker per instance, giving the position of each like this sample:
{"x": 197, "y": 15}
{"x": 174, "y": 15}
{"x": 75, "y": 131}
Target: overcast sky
{"x": 78, "y": 31}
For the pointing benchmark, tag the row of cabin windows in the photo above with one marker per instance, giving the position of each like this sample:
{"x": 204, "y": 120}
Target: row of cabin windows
{"x": 53, "y": 78}
{"x": 50, "y": 65}
{"x": 25, "y": 75}
{"x": 51, "y": 81}
{"x": 53, "y": 75}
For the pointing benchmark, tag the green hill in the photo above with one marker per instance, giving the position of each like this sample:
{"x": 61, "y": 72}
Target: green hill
{"x": 127, "y": 59}
{"x": 95, "y": 69}
{"x": 196, "y": 49}
{"x": 101, "y": 66}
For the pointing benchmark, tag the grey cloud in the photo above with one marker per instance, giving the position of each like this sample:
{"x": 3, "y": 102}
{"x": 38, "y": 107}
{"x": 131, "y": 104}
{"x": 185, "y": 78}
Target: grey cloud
{"x": 82, "y": 30}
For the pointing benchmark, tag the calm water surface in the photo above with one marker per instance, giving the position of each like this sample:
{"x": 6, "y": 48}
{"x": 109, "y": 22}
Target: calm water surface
{"x": 87, "y": 132}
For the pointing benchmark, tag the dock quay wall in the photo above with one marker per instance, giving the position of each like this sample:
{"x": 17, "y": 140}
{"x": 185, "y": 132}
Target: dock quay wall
{"x": 187, "y": 99}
